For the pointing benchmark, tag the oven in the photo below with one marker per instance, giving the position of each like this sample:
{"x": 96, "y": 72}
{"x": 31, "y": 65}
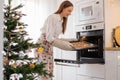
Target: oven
{"x": 88, "y": 11}
{"x": 92, "y": 33}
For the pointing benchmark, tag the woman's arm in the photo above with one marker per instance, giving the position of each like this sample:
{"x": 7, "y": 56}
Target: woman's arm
{"x": 62, "y": 44}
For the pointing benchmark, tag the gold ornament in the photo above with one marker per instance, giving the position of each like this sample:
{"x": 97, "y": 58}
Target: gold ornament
{"x": 40, "y": 49}
{"x": 32, "y": 66}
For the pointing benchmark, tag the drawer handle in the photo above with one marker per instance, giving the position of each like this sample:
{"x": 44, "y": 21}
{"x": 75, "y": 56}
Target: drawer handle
{"x": 67, "y": 65}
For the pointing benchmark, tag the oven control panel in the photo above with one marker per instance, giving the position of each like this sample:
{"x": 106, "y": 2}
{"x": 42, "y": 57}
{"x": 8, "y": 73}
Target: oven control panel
{"x": 89, "y": 27}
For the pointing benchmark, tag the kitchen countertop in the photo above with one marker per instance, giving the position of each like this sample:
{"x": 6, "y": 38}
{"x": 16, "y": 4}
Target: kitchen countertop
{"x": 112, "y": 49}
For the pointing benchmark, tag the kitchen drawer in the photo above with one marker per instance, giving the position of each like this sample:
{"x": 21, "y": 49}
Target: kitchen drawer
{"x": 97, "y": 79}
{"x": 81, "y": 77}
{"x": 93, "y": 70}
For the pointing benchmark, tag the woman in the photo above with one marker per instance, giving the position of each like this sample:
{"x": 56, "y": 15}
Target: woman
{"x": 53, "y": 27}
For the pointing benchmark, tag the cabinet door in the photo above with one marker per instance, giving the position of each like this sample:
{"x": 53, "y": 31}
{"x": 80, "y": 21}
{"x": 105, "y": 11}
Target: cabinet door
{"x": 68, "y": 73}
{"x": 119, "y": 65}
{"x": 97, "y": 79}
{"x": 57, "y": 72}
{"x": 119, "y": 73}
{"x": 83, "y": 77}
{"x": 57, "y": 68}
{"x": 111, "y": 65}
{"x": 96, "y": 70}
{"x": 88, "y": 78}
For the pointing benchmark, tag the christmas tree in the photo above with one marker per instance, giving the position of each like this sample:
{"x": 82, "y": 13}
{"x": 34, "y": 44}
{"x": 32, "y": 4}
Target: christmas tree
{"x": 17, "y": 64}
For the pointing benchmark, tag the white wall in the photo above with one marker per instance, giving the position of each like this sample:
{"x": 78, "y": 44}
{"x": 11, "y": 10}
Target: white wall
{"x": 37, "y": 11}
{"x": 112, "y": 19}
{"x": 1, "y": 39}
{"x": 70, "y": 31}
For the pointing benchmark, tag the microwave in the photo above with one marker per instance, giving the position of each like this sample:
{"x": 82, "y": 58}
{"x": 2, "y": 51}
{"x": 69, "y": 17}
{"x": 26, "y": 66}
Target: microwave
{"x": 89, "y": 11}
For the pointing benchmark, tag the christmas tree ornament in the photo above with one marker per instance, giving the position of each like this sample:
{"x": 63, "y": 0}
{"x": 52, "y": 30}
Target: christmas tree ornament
{"x": 32, "y": 65}
{"x": 21, "y": 55}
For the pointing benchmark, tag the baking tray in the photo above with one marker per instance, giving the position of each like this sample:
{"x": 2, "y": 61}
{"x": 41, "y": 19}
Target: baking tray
{"x": 84, "y": 45}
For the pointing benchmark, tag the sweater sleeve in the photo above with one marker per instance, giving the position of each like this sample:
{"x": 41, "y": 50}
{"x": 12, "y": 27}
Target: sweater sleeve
{"x": 50, "y": 25}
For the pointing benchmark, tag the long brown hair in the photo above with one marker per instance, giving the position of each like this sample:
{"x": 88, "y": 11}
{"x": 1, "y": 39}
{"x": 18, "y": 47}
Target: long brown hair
{"x": 64, "y": 5}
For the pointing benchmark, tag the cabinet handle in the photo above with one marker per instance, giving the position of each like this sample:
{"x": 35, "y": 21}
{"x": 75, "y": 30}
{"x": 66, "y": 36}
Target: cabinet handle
{"x": 67, "y": 65}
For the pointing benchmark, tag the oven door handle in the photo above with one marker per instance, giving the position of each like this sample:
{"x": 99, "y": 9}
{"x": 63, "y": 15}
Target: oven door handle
{"x": 71, "y": 65}
{"x": 92, "y": 50}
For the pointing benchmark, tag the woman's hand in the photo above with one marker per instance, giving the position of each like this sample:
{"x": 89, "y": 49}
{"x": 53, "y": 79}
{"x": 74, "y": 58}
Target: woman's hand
{"x": 62, "y": 44}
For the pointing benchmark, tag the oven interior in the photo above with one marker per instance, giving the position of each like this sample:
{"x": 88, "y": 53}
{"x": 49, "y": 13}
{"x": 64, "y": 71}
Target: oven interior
{"x": 94, "y": 54}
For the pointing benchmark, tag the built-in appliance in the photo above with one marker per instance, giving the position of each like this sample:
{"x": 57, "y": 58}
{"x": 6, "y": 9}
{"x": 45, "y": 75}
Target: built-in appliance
{"x": 88, "y": 11}
{"x": 92, "y": 33}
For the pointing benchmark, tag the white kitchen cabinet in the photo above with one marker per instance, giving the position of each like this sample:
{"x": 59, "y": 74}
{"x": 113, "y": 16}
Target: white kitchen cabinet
{"x": 83, "y": 77}
{"x": 93, "y": 70}
{"x": 119, "y": 73}
{"x": 57, "y": 72}
{"x": 112, "y": 68}
{"x": 118, "y": 65}
{"x": 90, "y": 72}
{"x": 97, "y": 79}
{"x": 57, "y": 68}
{"x": 68, "y": 73}
{"x": 79, "y": 77}
{"x": 62, "y": 70}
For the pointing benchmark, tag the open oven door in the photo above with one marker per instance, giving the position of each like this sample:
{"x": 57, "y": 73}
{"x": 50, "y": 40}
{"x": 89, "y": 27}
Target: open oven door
{"x": 80, "y": 60}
